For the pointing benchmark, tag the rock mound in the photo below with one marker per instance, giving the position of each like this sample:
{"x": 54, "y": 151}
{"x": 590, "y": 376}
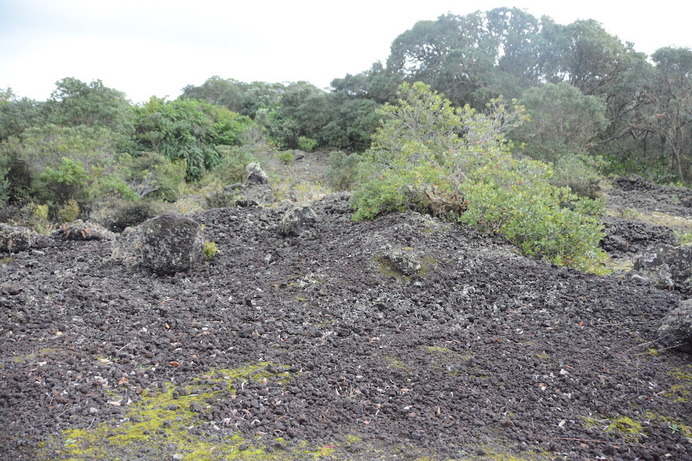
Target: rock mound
{"x": 627, "y": 236}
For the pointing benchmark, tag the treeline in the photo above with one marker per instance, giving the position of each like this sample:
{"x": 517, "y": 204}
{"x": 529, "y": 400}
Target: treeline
{"x": 596, "y": 106}
{"x": 587, "y": 92}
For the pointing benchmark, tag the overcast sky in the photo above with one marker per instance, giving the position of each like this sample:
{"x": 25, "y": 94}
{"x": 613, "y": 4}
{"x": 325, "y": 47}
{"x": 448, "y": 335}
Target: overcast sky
{"x": 156, "y": 47}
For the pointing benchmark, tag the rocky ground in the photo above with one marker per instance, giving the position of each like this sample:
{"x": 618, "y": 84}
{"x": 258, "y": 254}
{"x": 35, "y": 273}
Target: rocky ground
{"x": 400, "y": 338}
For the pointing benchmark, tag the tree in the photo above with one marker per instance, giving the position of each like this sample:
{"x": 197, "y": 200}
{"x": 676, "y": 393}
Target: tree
{"x": 16, "y": 115}
{"x": 563, "y": 121}
{"x": 475, "y": 58}
{"x": 352, "y": 123}
{"x": 518, "y": 44}
{"x": 668, "y": 109}
{"x": 189, "y": 130}
{"x": 220, "y": 92}
{"x": 377, "y": 84}
{"x": 75, "y": 103}
{"x": 447, "y": 54}
{"x": 586, "y": 56}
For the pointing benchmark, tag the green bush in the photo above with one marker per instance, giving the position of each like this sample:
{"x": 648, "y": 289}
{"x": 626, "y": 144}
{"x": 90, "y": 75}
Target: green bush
{"x": 68, "y": 180}
{"x": 306, "y": 144}
{"x": 457, "y": 164}
{"x": 4, "y": 185}
{"x": 216, "y": 196}
{"x": 189, "y": 130}
{"x": 342, "y": 170}
{"x": 581, "y": 173}
{"x": 232, "y": 167}
{"x": 210, "y": 250}
{"x": 540, "y": 219}
{"x": 68, "y": 212}
{"x": 286, "y": 157}
{"x": 153, "y": 176}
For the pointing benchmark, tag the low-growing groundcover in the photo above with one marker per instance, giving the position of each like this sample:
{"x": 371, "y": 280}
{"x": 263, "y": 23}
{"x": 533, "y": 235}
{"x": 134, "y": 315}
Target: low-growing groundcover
{"x": 169, "y": 423}
{"x": 457, "y": 164}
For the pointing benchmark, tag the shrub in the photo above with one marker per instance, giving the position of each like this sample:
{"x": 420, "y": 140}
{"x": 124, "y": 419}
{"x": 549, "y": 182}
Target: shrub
{"x": 457, "y": 164}
{"x": 31, "y": 215}
{"x": 210, "y": 250}
{"x": 232, "y": 167}
{"x": 286, "y": 157}
{"x": 153, "y": 176}
{"x": 190, "y": 130}
{"x": 581, "y": 173}
{"x": 342, "y": 170}
{"x": 68, "y": 212}
{"x": 306, "y": 144}
{"x": 216, "y": 196}
{"x": 68, "y": 180}
{"x": 4, "y": 185}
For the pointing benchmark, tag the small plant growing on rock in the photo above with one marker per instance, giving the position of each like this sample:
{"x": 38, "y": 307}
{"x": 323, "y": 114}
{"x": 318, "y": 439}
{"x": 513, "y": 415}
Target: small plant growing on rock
{"x": 683, "y": 238}
{"x": 210, "y": 250}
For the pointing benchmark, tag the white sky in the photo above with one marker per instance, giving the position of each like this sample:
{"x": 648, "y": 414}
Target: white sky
{"x": 156, "y": 47}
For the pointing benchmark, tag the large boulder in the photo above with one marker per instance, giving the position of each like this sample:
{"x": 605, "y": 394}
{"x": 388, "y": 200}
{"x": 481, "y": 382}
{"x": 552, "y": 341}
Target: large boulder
{"x": 166, "y": 244}
{"x": 297, "y": 220}
{"x": 254, "y": 174}
{"x": 667, "y": 266}
{"x": 676, "y": 329}
{"x": 399, "y": 262}
{"x": 14, "y": 239}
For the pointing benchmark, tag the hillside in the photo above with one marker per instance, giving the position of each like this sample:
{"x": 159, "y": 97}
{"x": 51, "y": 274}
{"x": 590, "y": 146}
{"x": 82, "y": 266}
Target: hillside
{"x": 400, "y": 338}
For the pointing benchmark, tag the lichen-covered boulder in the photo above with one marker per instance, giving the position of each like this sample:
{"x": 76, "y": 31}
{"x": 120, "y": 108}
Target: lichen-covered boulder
{"x": 667, "y": 266}
{"x": 166, "y": 244}
{"x": 400, "y": 262}
{"x": 297, "y": 220}
{"x": 14, "y": 239}
{"x": 676, "y": 329}
{"x": 171, "y": 243}
{"x": 254, "y": 174}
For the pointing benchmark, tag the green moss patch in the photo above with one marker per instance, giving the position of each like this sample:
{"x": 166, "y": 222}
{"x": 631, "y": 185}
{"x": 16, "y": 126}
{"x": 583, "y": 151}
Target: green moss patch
{"x": 674, "y": 425}
{"x": 166, "y": 423}
{"x": 39, "y": 354}
{"x": 682, "y": 391}
{"x": 624, "y": 426}
{"x": 445, "y": 359}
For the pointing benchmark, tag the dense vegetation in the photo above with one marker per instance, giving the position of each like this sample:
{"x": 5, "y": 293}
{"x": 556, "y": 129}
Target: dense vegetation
{"x": 589, "y": 106}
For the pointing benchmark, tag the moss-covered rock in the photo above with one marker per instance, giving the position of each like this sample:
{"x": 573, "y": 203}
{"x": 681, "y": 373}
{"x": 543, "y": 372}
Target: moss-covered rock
{"x": 297, "y": 220}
